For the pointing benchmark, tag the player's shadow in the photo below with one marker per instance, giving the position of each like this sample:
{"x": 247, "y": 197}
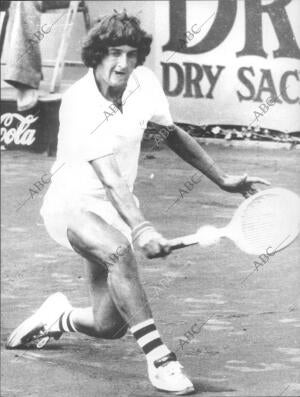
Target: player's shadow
{"x": 52, "y": 346}
{"x": 201, "y": 387}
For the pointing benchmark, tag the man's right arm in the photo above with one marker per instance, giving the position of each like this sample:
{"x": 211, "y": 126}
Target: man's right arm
{"x": 117, "y": 190}
{"x": 151, "y": 242}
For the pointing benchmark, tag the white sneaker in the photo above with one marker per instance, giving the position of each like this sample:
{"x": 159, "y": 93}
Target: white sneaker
{"x": 36, "y": 330}
{"x": 166, "y": 375}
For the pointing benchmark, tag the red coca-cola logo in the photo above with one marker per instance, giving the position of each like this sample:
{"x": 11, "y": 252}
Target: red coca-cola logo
{"x": 19, "y": 134}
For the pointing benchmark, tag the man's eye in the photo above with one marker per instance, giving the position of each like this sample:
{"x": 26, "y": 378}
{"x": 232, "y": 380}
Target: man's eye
{"x": 132, "y": 54}
{"x": 115, "y": 53}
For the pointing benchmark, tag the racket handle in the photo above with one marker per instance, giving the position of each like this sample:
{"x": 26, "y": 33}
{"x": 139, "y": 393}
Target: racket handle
{"x": 205, "y": 236}
{"x": 181, "y": 242}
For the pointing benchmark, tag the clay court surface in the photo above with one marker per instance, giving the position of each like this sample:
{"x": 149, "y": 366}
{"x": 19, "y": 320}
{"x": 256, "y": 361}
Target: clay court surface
{"x": 250, "y": 343}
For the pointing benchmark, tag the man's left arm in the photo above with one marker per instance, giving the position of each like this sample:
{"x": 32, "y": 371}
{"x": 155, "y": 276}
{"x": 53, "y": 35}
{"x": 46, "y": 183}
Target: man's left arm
{"x": 189, "y": 150}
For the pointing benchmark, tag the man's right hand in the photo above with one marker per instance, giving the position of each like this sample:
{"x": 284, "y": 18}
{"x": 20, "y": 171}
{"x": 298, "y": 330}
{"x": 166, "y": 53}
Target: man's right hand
{"x": 152, "y": 243}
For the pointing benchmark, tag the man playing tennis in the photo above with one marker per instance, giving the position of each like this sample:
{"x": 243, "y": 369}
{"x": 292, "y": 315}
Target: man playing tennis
{"x": 90, "y": 206}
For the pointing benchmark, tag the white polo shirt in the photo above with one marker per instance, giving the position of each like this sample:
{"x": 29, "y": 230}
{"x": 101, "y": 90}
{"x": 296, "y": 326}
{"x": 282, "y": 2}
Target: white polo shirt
{"x": 92, "y": 127}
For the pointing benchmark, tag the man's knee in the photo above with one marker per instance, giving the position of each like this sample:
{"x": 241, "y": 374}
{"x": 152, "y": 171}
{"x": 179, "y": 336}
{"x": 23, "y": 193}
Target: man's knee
{"x": 122, "y": 256}
{"x": 123, "y": 268}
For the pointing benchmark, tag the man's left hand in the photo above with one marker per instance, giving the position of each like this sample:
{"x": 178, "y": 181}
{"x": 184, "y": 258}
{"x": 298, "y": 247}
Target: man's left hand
{"x": 242, "y": 184}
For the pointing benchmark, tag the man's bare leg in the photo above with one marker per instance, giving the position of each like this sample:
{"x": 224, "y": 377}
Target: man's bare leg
{"x": 122, "y": 291}
{"x": 118, "y": 300}
{"x": 97, "y": 241}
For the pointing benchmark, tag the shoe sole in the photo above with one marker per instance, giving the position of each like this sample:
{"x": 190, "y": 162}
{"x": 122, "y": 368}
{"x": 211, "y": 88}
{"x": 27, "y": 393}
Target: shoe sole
{"x": 188, "y": 390}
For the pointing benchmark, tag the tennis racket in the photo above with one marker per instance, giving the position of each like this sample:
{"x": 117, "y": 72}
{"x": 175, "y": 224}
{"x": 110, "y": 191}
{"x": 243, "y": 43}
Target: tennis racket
{"x": 268, "y": 220}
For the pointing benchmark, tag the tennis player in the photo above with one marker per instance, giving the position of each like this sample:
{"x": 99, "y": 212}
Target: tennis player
{"x": 90, "y": 206}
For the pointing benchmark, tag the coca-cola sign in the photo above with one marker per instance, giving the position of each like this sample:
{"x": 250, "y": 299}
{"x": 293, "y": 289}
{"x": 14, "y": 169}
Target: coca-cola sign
{"x": 15, "y": 129}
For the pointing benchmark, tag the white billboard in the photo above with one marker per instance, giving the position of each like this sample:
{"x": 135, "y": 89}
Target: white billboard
{"x": 230, "y": 61}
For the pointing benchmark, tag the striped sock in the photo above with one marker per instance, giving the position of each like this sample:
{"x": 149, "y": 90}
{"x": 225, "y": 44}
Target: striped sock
{"x": 65, "y": 322}
{"x": 149, "y": 340}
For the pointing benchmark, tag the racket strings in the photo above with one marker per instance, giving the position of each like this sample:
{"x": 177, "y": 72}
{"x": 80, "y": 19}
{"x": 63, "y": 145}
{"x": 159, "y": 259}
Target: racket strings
{"x": 268, "y": 221}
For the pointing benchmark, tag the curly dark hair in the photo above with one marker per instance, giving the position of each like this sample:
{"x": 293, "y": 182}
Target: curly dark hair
{"x": 114, "y": 30}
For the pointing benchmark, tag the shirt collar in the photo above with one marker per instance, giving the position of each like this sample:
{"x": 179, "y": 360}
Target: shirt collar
{"x": 132, "y": 86}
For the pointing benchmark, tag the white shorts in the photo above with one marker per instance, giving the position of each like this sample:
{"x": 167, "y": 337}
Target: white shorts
{"x": 58, "y": 209}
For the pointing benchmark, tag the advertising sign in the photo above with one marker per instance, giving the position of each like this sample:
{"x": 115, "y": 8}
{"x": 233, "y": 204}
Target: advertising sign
{"x": 230, "y": 61}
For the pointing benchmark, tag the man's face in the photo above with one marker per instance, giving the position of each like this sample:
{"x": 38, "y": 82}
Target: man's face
{"x": 117, "y": 66}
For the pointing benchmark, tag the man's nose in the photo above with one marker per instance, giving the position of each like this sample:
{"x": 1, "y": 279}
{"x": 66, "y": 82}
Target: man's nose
{"x": 123, "y": 61}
